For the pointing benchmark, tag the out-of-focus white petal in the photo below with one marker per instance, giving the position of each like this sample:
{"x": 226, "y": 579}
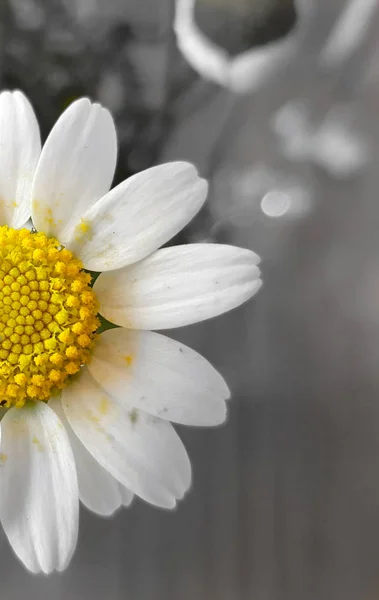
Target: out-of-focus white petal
{"x": 138, "y": 216}
{"x": 208, "y": 59}
{"x": 75, "y": 169}
{"x": 142, "y": 452}
{"x": 20, "y": 147}
{"x": 179, "y": 285}
{"x": 126, "y": 495}
{"x": 39, "y": 500}
{"x": 98, "y": 490}
{"x": 149, "y": 371}
{"x": 349, "y": 32}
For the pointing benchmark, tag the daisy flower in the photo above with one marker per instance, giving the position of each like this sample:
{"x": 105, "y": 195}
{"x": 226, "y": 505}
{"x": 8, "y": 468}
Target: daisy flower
{"x": 88, "y": 416}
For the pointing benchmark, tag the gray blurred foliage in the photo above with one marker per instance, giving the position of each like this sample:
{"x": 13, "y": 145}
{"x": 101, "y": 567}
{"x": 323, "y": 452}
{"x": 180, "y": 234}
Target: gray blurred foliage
{"x": 285, "y": 502}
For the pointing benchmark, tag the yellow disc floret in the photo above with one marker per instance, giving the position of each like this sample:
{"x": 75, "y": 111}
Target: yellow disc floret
{"x": 47, "y": 316}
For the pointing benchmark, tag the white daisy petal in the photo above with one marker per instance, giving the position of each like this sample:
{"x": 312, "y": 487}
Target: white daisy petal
{"x": 149, "y": 371}
{"x": 39, "y": 500}
{"x": 143, "y": 453}
{"x": 75, "y": 169}
{"x": 179, "y": 285}
{"x": 98, "y": 490}
{"x": 126, "y": 495}
{"x": 138, "y": 216}
{"x": 20, "y": 147}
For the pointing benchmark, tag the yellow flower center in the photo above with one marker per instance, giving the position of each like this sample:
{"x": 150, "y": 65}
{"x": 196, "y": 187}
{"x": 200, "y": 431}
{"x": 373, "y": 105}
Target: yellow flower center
{"x": 47, "y": 316}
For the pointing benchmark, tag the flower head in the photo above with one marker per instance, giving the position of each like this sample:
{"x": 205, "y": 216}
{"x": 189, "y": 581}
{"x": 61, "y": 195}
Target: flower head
{"x": 87, "y": 413}
{"x": 47, "y": 316}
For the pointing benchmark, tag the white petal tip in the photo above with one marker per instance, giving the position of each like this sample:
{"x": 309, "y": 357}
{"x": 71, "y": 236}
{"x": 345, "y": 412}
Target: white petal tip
{"x": 258, "y": 285}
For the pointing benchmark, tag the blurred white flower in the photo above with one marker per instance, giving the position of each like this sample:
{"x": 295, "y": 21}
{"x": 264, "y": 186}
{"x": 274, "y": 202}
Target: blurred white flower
{"x": 334, "y": 143}
{"x": 250, "y": 69}
{"x": 247, "y": 70}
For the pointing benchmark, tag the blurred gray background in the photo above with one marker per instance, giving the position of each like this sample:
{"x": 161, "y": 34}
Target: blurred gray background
{"x": 285, "y": 497}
